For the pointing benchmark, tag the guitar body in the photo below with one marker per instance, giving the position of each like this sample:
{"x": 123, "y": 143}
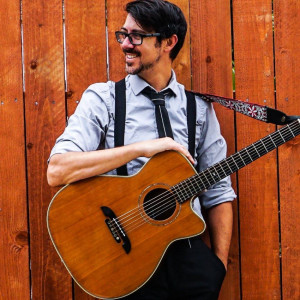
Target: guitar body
{"x": 94, "y": 257}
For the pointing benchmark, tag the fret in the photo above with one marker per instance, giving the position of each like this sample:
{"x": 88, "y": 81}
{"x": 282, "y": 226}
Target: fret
{"x": 228, "y": 167}
{"x": 242, "y": 158}
{"x": 179, "y": 190}
{"x": 264, "y": 147}
{"x": 188, "y": 189}
{"x": 223, "y": 170}
{"x": 206, "y": 179}
{"x": 213, "y": 176}
{"x": 277, "y": 138}
{"x": 268, "y": 143}
{"x": 194, "y": 191}
{"x": 203, "y": 180}
{"x": 281, "y": 136}
{"x": 253, "y": 146}
{"x": 175, "y": 190}
{"x": 249, "y": 154}
{"x": 272, "y": 141}
{"x": 209, "y": 175}
{"x": 232, "y": 158}
{"x": 194, "y": 178}
{"x": 216, "y": 173}
{"x": 203, "y": 185}
{"x": 291, "y": 130}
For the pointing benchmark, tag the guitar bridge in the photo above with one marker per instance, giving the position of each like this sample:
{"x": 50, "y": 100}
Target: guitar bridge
{"x": 116, "y": 229}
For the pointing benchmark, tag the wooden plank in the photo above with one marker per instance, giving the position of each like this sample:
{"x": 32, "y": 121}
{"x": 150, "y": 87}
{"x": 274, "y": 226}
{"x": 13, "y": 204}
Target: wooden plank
{"x": 45, "y": 118}
{"x": 85, "y": 47}
{"x": 287, "y": 48}
{"x": 116, "y": 17}
{"x": 212, "y": 73}
{"x": 182, "y": 63}
{"x": 14, "y": 254}
{"x": 85, "y": 57}
{"x": 258, "y": 199}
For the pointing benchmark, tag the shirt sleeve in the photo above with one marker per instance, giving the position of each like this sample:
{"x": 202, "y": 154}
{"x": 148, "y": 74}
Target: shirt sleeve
{"x": 87, "y": 127}
{"x": 212, "y": 149}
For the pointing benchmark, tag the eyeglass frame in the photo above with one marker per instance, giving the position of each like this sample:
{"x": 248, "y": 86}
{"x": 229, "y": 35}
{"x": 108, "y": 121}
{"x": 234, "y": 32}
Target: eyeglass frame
{"x": 142, "y": 35}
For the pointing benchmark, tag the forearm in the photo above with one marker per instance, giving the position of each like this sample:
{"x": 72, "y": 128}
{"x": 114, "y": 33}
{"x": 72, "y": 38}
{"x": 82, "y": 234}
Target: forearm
{"x": 220, "y": 219}
{"x": 73, "y": 166}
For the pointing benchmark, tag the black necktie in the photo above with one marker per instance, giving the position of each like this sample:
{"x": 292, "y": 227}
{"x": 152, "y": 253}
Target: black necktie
{"x": 161, "y": 113}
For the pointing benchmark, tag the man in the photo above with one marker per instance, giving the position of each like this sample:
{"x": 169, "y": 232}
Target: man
{"x": 151, "y": 37}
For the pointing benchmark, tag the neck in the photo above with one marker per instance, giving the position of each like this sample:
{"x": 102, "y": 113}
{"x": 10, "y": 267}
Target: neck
{"x": 158, "y": 79}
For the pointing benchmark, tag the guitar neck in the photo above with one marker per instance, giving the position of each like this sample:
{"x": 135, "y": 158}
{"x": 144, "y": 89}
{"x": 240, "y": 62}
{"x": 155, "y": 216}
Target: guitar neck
{"x": 205, "y": 179}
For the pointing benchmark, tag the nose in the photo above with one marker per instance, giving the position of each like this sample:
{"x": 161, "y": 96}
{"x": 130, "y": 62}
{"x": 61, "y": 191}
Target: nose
{"x": 127, "y": 44}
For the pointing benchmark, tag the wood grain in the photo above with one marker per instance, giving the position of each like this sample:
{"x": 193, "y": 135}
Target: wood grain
{"x": 182, "y": 63}
{"x": 14, "y": 253}
{"x": 85, "y": 47}
{"x": 86, "y": 61}
{"x": 31, "y": 121}
{"x": 212, "y": 73}
{"x": 258, "y": 198}
{"x": 45, "y": 118}
{"x": 287, "y": 67}
{"x": 116, "y": 16}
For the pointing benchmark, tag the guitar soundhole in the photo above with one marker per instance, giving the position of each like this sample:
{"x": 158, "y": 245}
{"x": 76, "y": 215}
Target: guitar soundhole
{"x": 159, "y": 204}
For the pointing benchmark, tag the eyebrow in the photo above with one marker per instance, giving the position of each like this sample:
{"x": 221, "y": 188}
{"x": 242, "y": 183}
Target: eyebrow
{"x": 134, "y": 30}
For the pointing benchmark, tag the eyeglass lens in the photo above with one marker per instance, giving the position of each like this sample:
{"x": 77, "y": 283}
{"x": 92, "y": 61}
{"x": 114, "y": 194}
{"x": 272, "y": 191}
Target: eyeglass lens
{"x": 134, "y": 38}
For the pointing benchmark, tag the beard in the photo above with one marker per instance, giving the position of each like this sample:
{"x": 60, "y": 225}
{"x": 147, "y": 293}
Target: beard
{"x": 129, "y": 67}
{"x": 137, "y": 70}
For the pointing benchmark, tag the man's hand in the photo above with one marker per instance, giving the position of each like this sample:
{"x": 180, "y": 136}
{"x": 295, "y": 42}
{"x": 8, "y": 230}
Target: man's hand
{"x": 152, "y": 147}
{"x": 73, "y": 166}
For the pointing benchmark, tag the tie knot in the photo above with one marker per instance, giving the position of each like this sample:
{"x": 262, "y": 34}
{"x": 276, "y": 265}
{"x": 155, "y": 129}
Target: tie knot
{"x": 158, "y": 98}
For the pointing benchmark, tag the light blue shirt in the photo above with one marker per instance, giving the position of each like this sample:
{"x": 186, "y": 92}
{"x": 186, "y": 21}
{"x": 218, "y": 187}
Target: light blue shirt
{"x": 91, "y": 127}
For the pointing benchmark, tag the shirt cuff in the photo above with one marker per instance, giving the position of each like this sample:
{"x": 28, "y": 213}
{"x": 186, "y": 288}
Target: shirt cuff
{"x": 216, "y": 196}
{"x": 64, "y": 147}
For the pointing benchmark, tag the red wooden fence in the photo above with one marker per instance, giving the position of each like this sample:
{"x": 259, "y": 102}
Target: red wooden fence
{"x": 50, "y": 51}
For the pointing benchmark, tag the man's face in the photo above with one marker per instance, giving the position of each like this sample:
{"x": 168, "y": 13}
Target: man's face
{"x": 139, "y": 58}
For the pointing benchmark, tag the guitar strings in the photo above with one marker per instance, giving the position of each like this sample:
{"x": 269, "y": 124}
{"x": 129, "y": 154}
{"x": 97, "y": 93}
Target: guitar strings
{"x": 171, "y": 204}
{"x": 164, "y": 208}
{"x": 159, "y": 209}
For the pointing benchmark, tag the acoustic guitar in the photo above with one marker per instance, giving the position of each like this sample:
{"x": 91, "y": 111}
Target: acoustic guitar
{"x": 111, "y": 232}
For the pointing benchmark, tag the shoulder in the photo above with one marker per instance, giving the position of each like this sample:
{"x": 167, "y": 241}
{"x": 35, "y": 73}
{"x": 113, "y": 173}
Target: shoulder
{"x": 98, "y": 95}
{"x": 101, "y": 89}
{"x": 202, "y": 104}
{"x": 105, "y": 89}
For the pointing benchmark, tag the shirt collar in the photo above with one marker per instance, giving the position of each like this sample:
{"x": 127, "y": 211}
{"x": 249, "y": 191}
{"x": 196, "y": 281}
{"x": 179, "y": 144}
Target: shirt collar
{"x": 138, "y": 84}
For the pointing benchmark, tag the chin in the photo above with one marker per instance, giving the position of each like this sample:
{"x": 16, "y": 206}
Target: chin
{"x": 133, "y": 71}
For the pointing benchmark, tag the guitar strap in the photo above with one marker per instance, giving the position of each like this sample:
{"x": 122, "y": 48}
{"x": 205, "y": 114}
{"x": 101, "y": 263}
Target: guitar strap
{"x": 120, "y": 116}
{"x": 256, "y": 111}
{"x": 253, "y": 110}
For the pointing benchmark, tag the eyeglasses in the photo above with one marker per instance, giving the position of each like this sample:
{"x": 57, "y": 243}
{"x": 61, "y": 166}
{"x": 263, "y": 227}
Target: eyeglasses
{"x": 134, "y": 37}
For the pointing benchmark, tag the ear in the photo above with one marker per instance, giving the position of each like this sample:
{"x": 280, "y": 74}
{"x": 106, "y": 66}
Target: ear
{"x": 170, "y": 43}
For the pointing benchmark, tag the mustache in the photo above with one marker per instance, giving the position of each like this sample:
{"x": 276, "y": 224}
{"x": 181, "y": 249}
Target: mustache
{"x": 131, "y": 51}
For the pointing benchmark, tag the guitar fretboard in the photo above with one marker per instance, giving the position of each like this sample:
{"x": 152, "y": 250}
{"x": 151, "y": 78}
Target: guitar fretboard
{"x": 205, "y": 179}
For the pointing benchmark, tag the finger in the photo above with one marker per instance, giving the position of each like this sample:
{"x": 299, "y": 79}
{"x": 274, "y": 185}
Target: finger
{"x": 187, "y": 154}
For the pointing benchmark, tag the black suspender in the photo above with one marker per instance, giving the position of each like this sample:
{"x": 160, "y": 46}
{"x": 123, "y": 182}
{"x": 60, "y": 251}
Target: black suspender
{"x": 120, "y": 115}
{"x": 191, "y": 120}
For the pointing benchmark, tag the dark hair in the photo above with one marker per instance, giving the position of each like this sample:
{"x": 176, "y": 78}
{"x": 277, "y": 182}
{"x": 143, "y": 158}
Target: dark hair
{"x": 160, "y": 16}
